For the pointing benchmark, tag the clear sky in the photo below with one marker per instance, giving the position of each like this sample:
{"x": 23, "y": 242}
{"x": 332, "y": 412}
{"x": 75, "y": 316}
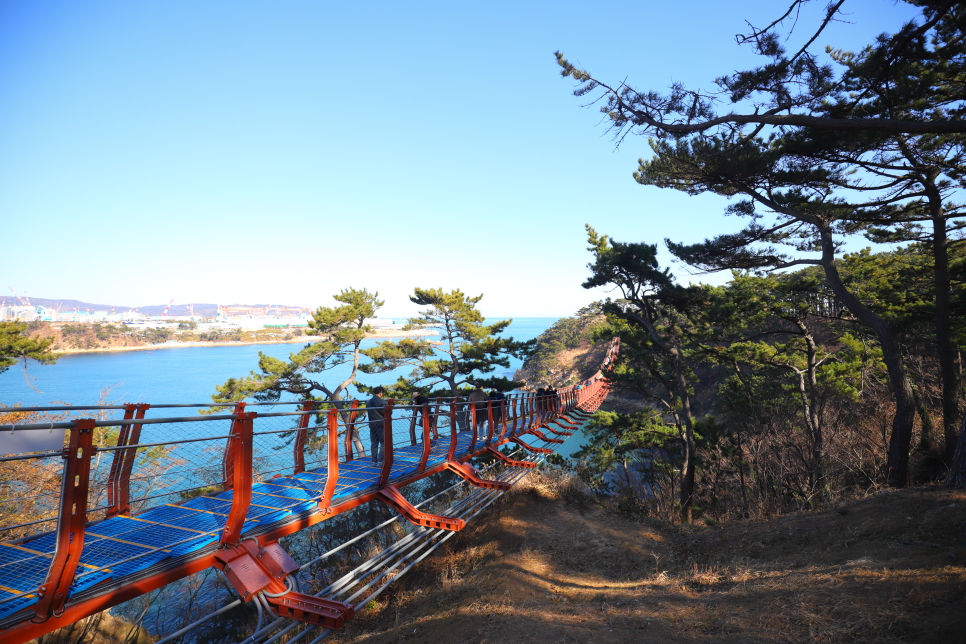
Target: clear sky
{"x": 280, "y": 151}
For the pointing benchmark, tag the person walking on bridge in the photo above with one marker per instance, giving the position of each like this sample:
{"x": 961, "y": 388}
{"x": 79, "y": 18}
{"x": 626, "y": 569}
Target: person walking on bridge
{"x": 419, "y": 403}
{"x": 497, "y": 397}
{"x": 377, "y": 422}
{"x": 478, "y": 400}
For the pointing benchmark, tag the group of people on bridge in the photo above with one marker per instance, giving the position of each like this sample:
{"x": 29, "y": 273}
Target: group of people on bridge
{"x": 477, "y": 410}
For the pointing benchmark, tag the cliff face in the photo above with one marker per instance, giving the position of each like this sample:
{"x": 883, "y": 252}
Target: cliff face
{"x": 86, "y": 336}
{"x": 566, "y": 353}
{"x": 568, "y": 367}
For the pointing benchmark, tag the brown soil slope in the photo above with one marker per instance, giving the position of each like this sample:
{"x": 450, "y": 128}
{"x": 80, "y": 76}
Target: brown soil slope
{"x": 888, "y": 568}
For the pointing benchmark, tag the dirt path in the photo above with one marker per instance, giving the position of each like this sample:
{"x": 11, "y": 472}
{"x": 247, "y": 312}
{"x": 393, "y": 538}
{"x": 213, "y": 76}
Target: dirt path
{"x": 889, "y": 568}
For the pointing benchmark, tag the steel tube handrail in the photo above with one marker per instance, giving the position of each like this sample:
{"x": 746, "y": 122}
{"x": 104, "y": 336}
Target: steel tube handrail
{"x": 529, "y": 413}
{"x": 140, "y": 445}
{"x": 67, "y": 424}
{"x": 24, "y": 525}
{"x": 24, "y": 457}
{"x": 294, "y": 624}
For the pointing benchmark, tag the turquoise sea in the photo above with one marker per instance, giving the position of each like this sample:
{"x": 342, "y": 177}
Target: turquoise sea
{"x": 173, "y": 375}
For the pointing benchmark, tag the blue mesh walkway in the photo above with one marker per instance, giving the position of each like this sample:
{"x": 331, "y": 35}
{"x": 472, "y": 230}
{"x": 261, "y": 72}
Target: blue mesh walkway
{"x": 125, "y": 545}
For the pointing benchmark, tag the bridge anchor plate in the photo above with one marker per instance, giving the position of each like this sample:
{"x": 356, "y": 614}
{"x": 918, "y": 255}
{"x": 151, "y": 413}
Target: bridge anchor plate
{"x": 252, "y": 570}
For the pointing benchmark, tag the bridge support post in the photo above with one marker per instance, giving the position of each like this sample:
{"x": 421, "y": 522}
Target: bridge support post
{"x": 70, "y": 520}
{"x": 301, "y": 437}
{"x": 228, "y": 460}
{"x": 332, "y": 468}
{"x": 472, "y": 416}
{"x": 253, "y": 570}
{"x": 453, "y": 428}
{"x": 130, "y": 455}
{"x": 394, "y": 499}
{"x": 240, "y": 451}
{"x": 387, "y": 443}
{"x": 113, "y": 490}
{"x": 122, "y": 463}
{"x": 424, "y": 457}
{"x": 469, "y": 474}
{"x": 503, "y": 458}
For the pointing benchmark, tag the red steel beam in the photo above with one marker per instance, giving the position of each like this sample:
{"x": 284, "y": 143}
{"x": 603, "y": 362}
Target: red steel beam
{"x": 71, "y": 520}
{"x": 241, "y": 451}
{"x": 351, "y": 430}
{"x": 332, "y": 475}
{"x": 27, "y": 630}
{"x": 387, "y": 444}
{"x": 113, "y": 478}
{"x": 424, "y": 458}
{"x": 301, "y": 437}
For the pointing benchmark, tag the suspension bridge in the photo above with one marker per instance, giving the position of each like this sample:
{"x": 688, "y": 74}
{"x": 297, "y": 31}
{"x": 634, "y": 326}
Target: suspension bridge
{"x": 96, "y": 511}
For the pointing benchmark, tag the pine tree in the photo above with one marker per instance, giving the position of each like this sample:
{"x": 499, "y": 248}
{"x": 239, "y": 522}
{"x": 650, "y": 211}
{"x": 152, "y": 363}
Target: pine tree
{"x": 342, "y": 329}
{"x": 16, "y": 345}
{"x": 895, "y": 109}
{"x": 469, "y": 349}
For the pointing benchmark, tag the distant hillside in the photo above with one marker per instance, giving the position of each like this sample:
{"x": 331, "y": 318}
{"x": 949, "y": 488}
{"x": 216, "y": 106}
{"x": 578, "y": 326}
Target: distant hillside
{"x": 204, "y": 309}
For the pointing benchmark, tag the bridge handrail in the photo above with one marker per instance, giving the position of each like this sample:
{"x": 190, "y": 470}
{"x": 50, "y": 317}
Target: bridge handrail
{"x": 149, "y": 460}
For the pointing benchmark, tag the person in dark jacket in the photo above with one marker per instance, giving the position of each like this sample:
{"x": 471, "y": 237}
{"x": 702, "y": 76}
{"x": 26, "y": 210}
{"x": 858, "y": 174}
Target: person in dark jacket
{"x": 478, "y": 401}
{"x": 416, "y": 421}
{"x": 377, "y": 423}
{"x": 497, "y": 397}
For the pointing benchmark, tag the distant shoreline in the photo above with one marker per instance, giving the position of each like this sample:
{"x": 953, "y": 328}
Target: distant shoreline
{"x": 378, "y": 335}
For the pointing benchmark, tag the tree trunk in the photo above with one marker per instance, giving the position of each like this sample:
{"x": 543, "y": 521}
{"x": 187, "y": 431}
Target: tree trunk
{"x": 945, "y": 348}
{"x": 681, "y": 384}
{"x": 897, "y": 464}
{"x": 925, "y": 435}
{"x": 688, "y": 461}
{"x": 810, "y": 404}
{"x": 957, "y": 468}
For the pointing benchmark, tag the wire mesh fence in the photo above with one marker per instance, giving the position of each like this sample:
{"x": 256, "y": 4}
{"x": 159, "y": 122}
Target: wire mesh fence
{"x": 129, "y": 487}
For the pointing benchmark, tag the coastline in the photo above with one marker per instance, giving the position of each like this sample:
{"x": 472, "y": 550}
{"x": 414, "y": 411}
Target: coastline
{"x": 305, "y": 339}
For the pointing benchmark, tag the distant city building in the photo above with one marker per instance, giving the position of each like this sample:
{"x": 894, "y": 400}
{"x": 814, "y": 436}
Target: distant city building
{"x": 18, "y": 313}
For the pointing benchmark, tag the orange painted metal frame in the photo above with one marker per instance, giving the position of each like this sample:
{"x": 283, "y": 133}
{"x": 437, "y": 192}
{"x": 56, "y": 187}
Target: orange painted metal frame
{"x": 351, "y": 429}
{"x": 240, "y": 449}
{"x": 27, "y": 630}
{"x": 332, "y": 462}
{"x": 237, "y": 467}
{"x": 427, "y": 446}
{"x": 387, "y": 444}
{"x": 73, "y": 517}
{"x": 301, "y": 437}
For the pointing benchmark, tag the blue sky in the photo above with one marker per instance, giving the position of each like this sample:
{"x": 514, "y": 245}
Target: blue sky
{"x": 280, "y": 151}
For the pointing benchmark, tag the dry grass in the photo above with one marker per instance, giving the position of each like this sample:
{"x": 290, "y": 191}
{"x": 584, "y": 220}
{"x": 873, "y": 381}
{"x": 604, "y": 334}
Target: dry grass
{"x": 888, "y": 568}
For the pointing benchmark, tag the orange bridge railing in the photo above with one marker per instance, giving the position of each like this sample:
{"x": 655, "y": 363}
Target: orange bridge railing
{"x": 96, "y": 511}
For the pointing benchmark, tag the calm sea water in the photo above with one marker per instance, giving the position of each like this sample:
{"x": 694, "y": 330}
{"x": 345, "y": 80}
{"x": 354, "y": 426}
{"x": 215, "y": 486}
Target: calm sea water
{"x": 177, "y": 375}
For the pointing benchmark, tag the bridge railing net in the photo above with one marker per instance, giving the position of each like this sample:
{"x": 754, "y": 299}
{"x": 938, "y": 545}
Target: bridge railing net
{"x": 164, "y": 486}
{"x": 176, "y": 461}
{"x": 30, "y": 490}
